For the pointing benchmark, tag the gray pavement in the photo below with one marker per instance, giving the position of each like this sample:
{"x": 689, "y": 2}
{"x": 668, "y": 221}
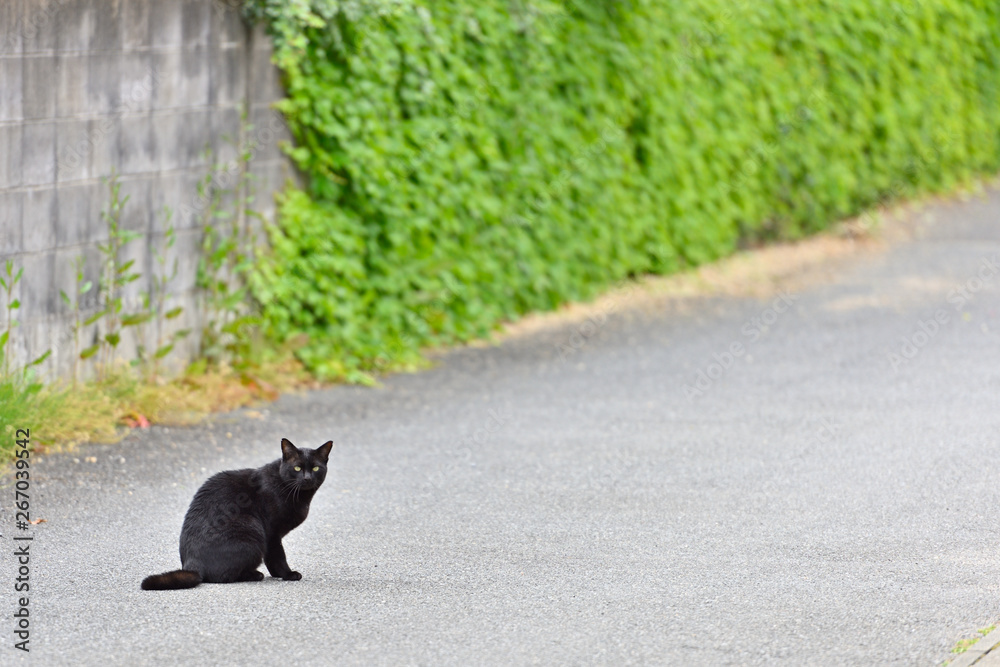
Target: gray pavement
{"x": 562, "y": 499}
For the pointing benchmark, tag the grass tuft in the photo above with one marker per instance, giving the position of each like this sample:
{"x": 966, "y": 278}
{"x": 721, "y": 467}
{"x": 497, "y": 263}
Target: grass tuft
{"x": 965, "y": 644}
{"x": 60, "y": 417}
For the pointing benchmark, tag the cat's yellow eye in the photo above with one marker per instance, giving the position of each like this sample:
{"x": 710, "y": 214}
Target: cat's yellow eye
{"x": 316, "y": 469}
{"x": 298, "y": 468}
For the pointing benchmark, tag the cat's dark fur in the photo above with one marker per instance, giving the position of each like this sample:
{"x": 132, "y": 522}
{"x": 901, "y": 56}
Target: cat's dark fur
{"x": 238, "y": 517}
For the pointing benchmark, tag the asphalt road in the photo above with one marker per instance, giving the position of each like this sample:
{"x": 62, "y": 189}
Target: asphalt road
{"x": 818, "y": 503}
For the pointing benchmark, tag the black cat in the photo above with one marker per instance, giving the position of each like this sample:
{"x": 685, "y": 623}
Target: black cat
{"x": 238, "y": 517}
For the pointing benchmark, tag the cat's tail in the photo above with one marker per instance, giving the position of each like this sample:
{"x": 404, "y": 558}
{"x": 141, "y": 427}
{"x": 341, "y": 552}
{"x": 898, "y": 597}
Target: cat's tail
{"x": 169, "y": 581}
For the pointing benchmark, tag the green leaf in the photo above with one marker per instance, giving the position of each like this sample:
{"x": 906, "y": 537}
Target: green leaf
{"x": 90, "y": 351}
{"x": 113, "y": 338}
{"x": 173, "y": 312}
{"x": 41, "y": 358}
{"x": 136, "y": 319}
{"x": 96, "y": 316}
{"x": 163, "y": 351}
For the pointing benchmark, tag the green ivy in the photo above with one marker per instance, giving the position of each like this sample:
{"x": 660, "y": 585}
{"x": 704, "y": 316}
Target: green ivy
{"x": 472, "y": 160}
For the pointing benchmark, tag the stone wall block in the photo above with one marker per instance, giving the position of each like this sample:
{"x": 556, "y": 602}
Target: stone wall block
{"x": 195, "y": 80}
{"x": 74, "y": 25}
{"x": 265, "y": 81}
{"x": 196, "y": 23}
{"x": 136, "y": 83}
{"x": 38, "y": 25}
{"x": 11, "y": 214}
{"x": 12, "y": 16}
{"x": 11, "y": 158}
{"x": 38, "y": 89}
{"x": 38, "y": 153}
{"x": 38, "y": 222}
{"x": 75, "y": 144}
{"x": 38, "y": 298}
{"x": 138, "y": 149}
{"x": 104, "y": 83}
{"x": 105, "y": 137}
{"x": 136, "y": 24}
{"x": 165, "y": 20}
{"x": 168, "y": 86}
{"x": 136, "y": 212}
{"x": 228, "y": 78}
{"x": 12, "y": 86}
{"x": 73, "y": 221}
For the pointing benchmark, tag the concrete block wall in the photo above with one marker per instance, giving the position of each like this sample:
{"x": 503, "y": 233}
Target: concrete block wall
{"x": 140, "y": 88}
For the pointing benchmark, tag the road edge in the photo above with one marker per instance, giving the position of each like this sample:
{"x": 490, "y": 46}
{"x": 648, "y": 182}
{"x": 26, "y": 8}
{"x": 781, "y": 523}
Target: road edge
{"x": 974, "y": 653}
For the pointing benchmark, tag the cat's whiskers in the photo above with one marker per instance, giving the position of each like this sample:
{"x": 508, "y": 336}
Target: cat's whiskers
{"x": 288, "y": 488}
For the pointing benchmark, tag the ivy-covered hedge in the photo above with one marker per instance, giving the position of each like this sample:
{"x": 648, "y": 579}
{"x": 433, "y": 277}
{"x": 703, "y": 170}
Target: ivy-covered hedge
{"x": 471, "y": 160}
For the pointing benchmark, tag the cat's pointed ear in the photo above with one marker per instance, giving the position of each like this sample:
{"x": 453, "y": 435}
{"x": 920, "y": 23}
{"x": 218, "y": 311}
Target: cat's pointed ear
{"x": 288, "y": 450}
{"x": 323, "y": 451}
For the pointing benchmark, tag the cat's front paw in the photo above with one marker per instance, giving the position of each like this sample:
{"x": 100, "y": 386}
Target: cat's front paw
{"x": 292, "y": 576}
